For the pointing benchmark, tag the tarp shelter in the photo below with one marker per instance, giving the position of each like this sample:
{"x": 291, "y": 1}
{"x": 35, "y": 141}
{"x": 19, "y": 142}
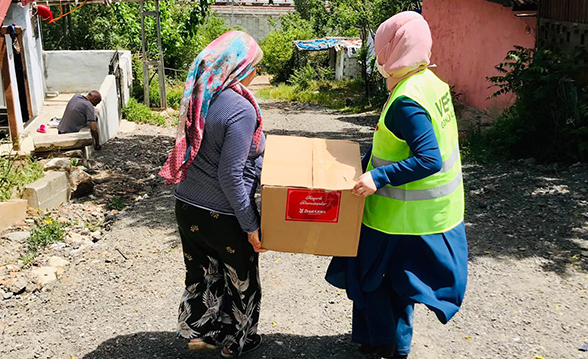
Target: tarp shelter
{"x": 343, "y": 53}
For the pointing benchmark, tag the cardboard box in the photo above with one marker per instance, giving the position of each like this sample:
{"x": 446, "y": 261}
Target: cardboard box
{"x": 306, "y": 200}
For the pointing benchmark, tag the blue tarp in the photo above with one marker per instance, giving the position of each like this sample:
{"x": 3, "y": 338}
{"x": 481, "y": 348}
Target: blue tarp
{"x": 327, "y": 43}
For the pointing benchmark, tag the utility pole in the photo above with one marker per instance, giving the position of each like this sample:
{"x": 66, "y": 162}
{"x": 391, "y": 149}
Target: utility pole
{"x": 232, "y": 11}
{"x": 156, "y": 63}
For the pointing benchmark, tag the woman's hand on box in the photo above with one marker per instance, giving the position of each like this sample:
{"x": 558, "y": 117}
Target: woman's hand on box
{"x": 365, "y": 186}
{"x": 253, "y": 238}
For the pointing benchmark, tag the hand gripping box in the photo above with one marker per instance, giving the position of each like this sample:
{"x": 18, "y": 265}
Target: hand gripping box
{"x": 306, "y": 200}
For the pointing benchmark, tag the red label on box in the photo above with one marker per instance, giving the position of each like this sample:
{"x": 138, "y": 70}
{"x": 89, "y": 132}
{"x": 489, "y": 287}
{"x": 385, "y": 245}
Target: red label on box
{"x": 307, "y": 205}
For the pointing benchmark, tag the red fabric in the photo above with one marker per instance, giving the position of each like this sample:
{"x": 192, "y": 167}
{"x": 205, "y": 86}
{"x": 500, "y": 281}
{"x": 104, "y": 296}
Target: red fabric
{"x": 44, "y": 13}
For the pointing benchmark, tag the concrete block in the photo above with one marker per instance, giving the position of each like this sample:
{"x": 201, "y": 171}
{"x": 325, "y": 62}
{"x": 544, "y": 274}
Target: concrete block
{"x": 49, "y": 191}
{"x": 12, "y": 212}
{"x": 64, "y": 141}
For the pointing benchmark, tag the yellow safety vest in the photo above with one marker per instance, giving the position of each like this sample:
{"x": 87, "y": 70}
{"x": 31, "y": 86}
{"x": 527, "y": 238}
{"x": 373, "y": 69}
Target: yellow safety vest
{"x": 434, "y": 204}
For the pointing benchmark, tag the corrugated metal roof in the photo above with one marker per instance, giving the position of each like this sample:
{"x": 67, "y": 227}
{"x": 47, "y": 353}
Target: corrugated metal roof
{"x": 328, "y": 43}
{"x": 4, "y": 5}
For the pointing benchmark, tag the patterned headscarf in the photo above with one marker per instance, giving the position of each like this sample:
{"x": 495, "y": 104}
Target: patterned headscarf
{"x": 222, "y": 64}
{"x": 403, "y": 46}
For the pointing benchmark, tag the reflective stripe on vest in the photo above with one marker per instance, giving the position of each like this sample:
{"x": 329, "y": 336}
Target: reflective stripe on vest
{"x": 421, "y": 194}
{"x": 447, "y": 164}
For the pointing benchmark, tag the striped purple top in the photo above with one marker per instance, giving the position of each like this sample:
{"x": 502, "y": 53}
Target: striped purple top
{"x": 226, "y": 171}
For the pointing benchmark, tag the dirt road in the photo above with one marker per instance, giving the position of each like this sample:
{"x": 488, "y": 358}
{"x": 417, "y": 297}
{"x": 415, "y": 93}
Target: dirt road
{"x": 527, "y": 293}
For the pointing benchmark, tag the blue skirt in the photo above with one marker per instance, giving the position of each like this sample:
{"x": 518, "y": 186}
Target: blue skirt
{"x": 429, "y": 269}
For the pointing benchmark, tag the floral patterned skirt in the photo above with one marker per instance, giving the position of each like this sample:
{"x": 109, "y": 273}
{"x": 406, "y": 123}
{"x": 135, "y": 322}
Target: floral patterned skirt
{"x": 222, "y": 298}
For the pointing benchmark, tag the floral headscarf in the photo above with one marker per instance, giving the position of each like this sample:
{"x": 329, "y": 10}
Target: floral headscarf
{"x": 223, "y": 64}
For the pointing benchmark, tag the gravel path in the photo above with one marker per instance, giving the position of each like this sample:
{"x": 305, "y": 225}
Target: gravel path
{"x": 527, "y": 227}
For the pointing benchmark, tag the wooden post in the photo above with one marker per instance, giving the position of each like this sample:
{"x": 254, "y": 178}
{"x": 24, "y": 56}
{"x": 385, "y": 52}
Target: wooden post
{"x": 7, "y": 86}
{"x": 145, "y": 57}
{"x": 160, "y": 65}
{"x": 26, "y": 78}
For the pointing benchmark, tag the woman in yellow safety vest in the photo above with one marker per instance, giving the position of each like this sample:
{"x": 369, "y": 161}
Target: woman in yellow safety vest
{"x": 413, "y": 246}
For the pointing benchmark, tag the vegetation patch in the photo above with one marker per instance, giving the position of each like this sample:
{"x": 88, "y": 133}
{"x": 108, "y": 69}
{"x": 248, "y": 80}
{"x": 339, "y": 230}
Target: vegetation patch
{"x": 45, "y": 232}
{"x": 338, "y": 95}
{"x": 139, "y": 113}
{"x": 16, "y": 173}
{"x": 549, "y": 119}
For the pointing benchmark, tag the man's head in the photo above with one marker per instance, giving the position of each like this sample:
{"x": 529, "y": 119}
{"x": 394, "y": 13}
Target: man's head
{"x": 94, "y": 97}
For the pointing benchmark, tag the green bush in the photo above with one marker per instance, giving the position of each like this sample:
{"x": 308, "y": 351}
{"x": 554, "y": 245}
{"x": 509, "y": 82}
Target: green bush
{"x": 312, "y": 76}
{"x": 175, "y": 91}
{"x": 206, "y": 32}
{"x": 549, "y": 119}
{"x": 278, "y": 46}
{"x": 139, "y": 113}
{"x": 16, "y": 173}
{"x": 117, "y": 203}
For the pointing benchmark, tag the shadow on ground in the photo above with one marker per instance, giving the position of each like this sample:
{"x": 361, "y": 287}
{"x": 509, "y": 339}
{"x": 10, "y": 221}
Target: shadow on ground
{"x": 512, "y": 210}
{"x": 165, "y": 345}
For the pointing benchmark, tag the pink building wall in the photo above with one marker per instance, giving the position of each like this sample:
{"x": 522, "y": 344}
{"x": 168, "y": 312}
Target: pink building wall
{"x": 470, "y": 37}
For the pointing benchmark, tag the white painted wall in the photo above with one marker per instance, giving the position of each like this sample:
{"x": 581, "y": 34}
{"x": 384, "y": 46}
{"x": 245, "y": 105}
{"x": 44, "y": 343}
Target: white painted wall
{"x": 77, "y": 71}
{"x": 126, "y": 64}
{"x": 254, "y": 22}
{"x": 347, "y": 67}
{"x": 21, "y": 16}
{"x": 107, "y": 110}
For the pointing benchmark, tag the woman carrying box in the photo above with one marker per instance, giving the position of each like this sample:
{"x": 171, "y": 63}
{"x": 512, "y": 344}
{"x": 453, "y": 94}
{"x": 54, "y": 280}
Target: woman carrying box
{"x": 413, "y": 246}
{"x": 217, "y": 163}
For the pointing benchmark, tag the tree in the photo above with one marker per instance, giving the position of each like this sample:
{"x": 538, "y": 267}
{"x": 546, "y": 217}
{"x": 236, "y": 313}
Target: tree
{"x": 118, "y": 26}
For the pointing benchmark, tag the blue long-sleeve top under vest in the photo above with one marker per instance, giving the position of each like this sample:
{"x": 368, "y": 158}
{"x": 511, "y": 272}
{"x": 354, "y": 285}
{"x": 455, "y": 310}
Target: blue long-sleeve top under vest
{"x": 408, "y": 121}
{"x": 429, "y": 269}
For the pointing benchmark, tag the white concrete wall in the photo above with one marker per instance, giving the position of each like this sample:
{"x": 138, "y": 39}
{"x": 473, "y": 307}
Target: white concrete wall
{"x": 21, "y": 16}
{"x": 76, "y": 71}
{"x": 347, "y": 67}
{"x": 107, "y": 110}
{"x": 254, "y": 22}
{"x": 126, "y": 64}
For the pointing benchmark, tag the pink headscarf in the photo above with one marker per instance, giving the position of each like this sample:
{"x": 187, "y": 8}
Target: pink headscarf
{"x": 403, "y": 46}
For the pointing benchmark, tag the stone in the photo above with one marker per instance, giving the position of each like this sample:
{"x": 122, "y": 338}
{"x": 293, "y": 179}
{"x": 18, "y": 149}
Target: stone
{"x": 13, "y": 211}
{"x": 96, "y": 236}
{"x": 58, "y": 246}
{"x": 12, "y": 267}
{"x": 44, "y": 275}
{"x": 48, "y": 192}
{"x": 18, "y": 237}
{"x": 58, "y": 263}
{"x": 58, "y": 164}
{"x": 79, "y": 250}
{"x": 17, "y": 285}
{"x": 73, "y": 154}
{"x": 80, "y": 182}
{"x": 77, "y": 238}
